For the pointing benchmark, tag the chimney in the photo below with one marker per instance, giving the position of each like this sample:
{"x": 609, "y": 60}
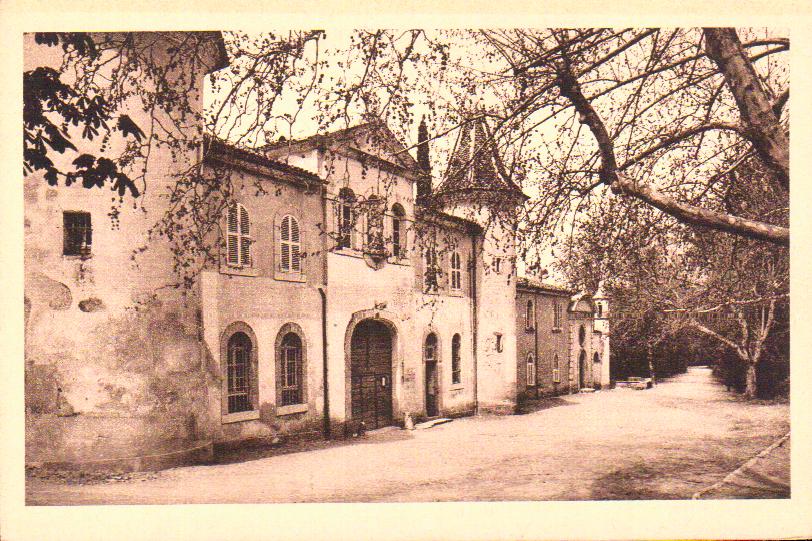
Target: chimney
{"x": 424, "y": 181}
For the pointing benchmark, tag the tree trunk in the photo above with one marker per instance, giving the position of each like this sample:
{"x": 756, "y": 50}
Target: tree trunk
{"x": 751, "y": 388}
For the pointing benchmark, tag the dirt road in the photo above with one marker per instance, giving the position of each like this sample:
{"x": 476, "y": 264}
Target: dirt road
{"x": 663, "y": 443}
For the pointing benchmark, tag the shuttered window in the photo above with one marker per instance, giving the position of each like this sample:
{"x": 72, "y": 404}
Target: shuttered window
{"x": 456, "y": 271}
{"x": 290, "y": 245}
{"x": 238, "y": 237}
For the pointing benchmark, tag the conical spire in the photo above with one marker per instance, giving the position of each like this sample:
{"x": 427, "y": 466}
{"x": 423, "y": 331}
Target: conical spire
{"x": 475, "y": 164}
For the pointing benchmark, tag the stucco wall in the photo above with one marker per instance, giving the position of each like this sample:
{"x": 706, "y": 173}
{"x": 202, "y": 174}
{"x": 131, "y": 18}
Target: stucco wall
{"x": 113, "y": 369}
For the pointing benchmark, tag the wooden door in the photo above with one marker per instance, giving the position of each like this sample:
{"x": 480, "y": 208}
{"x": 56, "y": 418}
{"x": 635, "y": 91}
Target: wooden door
{"x": 371, "y": 360}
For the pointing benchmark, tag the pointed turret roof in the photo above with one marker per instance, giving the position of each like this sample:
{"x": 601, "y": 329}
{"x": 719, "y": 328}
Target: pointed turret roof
{"x": 475, "y": 164}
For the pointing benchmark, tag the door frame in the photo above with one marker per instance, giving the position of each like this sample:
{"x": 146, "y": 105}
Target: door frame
{"x": 388, "y": 319}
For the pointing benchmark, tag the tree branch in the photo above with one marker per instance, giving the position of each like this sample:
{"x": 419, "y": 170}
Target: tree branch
{"x": 757, "y": 113}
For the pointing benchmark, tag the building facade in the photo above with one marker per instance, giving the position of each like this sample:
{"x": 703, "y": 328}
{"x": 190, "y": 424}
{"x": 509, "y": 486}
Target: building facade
{"x": 340, "y": 302}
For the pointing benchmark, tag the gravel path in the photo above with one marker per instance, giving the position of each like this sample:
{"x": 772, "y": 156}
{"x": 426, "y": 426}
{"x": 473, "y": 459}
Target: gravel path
{"x": 664, "y": 443}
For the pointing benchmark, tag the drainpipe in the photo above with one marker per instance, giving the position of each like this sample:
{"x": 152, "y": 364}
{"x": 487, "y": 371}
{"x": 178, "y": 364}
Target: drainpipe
{"x": 474, "y": 317}
{"x": 326, "y": 422}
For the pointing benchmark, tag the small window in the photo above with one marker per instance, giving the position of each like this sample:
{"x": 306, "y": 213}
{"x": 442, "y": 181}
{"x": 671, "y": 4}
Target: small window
{"x": 431, "y": 274}
{"x": 556, "y": 369}
{"x": 582, "y": 335}
{"x": 531, "y": 370}
{"x": 398, "y": 233}
{"x": 499, "y": 342}
{"x": 600, "y": 310}
{"x": 290, "y": 371}
{"x": 596, "y": 358}
{"x": 430, "y": 349}
{"x": 78, "y": 233}
{"x": 239, "y": 373}
{"x": 497, "y": 264}
{"x": 238, "y": 237}
{"x": 530, "y": 315}
{"x": 346, "y": 218}
{"x": 456, "y": 362}
{"x": 456, "y": 271}
{"x": 290, "y": 259}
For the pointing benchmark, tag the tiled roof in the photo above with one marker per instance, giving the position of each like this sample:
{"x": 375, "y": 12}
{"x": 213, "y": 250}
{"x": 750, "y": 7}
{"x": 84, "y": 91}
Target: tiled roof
{"x": 475, "y": 163}
{"x": 533, "y": 284}
{"x": 220, "y": 148}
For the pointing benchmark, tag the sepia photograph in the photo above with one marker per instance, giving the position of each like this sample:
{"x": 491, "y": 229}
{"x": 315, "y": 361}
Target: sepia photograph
{"x": 363, "y": 265}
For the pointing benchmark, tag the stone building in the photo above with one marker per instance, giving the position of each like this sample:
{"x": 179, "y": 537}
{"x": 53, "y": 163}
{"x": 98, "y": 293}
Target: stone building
{"x": 340, "y": 301}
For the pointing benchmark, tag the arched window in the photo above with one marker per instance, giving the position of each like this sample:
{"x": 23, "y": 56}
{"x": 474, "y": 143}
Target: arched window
{"x": 556, "y": 369}
{"x": 456, "y": 361}
{"x": 581, "y": 335}
{"x": 529, "y": 315}
{"x": 238, "y": 237}
{"x": 398, "y": 233}
{"x": 556, "y": 315}
{"x": 596, "y": 358}
{"x": 238, "y": 373}
{"x": 531, "y": 370}
{"x": 346, "y": 218}
{"x": 430, "y": 350}
{"x": 289, "y": 369}
{"x": 290, "y": 245}
{"x": 456, "y": 271}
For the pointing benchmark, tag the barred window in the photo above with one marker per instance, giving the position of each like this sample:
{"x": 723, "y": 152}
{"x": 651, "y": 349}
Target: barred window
{"x": 290, "y": 371}
{"x": 456, "y": 271}
{"x": 290, "y": 246}
{"x": 77, "y": 233}
{"x": 239, "y": 373}
{"x": 531, "y": 370}
{"x": 238, "y": 237}
{"x": 456, "y": 361}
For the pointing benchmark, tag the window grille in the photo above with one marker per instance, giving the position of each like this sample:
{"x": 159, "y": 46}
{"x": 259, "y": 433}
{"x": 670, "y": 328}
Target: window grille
{"x": 290, "y": 370}
{"x": 239, "y": 373}
{"x": 238, "y": 237}
{"x": 456, "y": 361}
{"x": 290, "y": 245}
{"x": 78, "y": 233}
{"x": 456, "y": 271}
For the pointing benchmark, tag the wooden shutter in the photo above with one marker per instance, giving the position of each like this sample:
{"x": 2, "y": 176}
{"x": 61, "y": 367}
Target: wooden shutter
{"x": 285, "y": 244}
{"x": 232, "y": 237}
{"x": 295, "y": 246}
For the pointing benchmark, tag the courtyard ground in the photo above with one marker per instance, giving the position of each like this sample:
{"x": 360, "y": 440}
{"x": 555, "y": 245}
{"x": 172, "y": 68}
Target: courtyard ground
{"x": 669, "y": 442}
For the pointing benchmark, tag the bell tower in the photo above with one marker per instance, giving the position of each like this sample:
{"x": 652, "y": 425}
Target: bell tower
{"x": 478, "y": 188}
{"x": 601, "y": 325}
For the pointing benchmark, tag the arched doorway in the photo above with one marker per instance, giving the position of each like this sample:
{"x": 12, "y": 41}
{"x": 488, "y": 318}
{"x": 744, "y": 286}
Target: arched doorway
{"x": 371, "y": 368}
{"x": 582, "y": 369}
